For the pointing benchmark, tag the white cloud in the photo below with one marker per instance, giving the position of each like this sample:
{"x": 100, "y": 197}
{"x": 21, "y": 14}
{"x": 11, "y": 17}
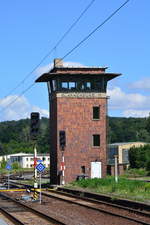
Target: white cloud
{"x": 136, "y": 113}
{"x": 141, "y": 84}
{"x": 131, "y": 104}
{"x": 12, "y": 109}
{"x": 46, "y": 68}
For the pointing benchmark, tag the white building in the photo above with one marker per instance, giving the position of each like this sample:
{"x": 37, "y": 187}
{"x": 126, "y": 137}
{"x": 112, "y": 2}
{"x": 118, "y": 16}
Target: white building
{"x": 26, "y": 160}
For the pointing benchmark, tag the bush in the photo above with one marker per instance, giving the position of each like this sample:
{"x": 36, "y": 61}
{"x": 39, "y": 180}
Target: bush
{"x": 16, "y": 166}
{"x": 148, "y": 167}
{"x": 3, "y": 164}
{"x": 138, "y": 157}
{"x": 136, "y": 172}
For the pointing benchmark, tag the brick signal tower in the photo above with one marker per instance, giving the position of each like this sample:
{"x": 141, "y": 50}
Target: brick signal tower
{"x": 78, "y": 110}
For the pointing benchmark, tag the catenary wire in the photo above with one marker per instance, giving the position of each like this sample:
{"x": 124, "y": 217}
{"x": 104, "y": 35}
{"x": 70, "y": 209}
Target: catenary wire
{"x": 57, "y": 44}
{"x": 99, "y": 26}
{"x": 83, "y": 40}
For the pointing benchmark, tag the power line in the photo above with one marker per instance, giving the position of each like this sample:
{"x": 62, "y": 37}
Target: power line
{"x": 14, "y": 100}
{"x": 99, "y": 26}
{"x": 57, "y": 44}
{"x": 83, "y": 40}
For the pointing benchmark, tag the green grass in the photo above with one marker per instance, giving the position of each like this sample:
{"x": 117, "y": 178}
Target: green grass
{"x": 136, "y": 173}
{"x": 131, "y": 189}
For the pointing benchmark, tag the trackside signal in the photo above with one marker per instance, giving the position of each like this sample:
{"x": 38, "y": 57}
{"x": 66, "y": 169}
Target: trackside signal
{"x": 34, "y": 125}
{"x": 62, "y": 139}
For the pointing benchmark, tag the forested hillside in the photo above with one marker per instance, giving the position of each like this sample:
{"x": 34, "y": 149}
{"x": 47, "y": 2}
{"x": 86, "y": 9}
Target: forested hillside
{"x": 15, "y": 135}
{"x": 128, "y": 129}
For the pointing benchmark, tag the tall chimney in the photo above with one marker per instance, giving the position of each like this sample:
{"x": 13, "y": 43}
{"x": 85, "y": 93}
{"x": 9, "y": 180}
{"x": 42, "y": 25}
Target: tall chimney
{"x": 58, "y": 63}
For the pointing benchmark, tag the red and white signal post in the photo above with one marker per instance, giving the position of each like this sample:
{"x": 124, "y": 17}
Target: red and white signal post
{"x": 35, "y": 170}
{"x": 63, "y": 168}
{"x": 62, "y": 143}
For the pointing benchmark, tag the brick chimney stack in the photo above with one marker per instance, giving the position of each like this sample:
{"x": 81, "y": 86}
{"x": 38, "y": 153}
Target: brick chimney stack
{"x": 58, "y": 63}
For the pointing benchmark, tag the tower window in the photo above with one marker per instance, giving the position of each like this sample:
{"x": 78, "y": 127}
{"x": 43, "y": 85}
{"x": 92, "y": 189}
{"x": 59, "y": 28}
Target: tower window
{"x": 54, "y": 85}
{"x": 64, "y": 85}
{"x": 83, "y": 169}
{"x": 96, "y": 140}
{"x": 88, "y": 85}
{"x": 96, "y": 113}
{"x": 72, "y": 85}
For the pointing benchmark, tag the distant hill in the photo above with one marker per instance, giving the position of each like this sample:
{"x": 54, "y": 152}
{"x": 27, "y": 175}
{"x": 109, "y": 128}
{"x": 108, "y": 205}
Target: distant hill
{"x": 15, "y": 135}
{"x": 127, "y": 129}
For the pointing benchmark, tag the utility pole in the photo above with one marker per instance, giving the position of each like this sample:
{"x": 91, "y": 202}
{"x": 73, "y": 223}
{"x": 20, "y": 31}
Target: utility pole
{"x": 116, "y": 168}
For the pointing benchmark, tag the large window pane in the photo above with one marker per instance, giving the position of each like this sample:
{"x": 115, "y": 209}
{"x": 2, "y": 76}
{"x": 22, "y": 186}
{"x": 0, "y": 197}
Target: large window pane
{"x": 96, "y": 112}
{"x": 64, "y": 85}
{"x": 88, "y": 85}
{"x": 72, "y": 85}
{"x": 98, "y": 85}
{"x": 96, "y": 140}
{"x": 54, "y": 85}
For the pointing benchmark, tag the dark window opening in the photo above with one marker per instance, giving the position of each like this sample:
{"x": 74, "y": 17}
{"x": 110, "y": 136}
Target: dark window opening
{"x": 98, "y": 85}
{"x": 83, "y": 169}
{"x": 96, "y": 112}
{"x": 80, "y": 85}
{"x": 96, "y": 140}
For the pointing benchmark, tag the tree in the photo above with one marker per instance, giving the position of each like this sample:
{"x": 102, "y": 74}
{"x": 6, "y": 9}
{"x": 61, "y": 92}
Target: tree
{"x": 140, "y": 157}
{"x": 3, "y": 163}
{"x": 148, "y": 124}
{"x": 148, "y": 166}
{"x": 16, "y": 165}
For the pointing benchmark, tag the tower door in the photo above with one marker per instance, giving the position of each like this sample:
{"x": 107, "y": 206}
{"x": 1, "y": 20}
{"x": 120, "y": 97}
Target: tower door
{"x": 96, "y": 170}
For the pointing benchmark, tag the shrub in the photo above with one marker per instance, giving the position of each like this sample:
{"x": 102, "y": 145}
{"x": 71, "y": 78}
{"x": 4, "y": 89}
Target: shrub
{"x": 16, "y": 165}
{"x": 3, "y": 164}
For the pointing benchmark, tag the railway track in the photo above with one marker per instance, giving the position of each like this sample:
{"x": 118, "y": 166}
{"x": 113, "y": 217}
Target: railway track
{"x": 107, "y": 200}
{"x": 21, "y": 214}
{"x": 126, "y": 213}
{"x": 140, "y": 217}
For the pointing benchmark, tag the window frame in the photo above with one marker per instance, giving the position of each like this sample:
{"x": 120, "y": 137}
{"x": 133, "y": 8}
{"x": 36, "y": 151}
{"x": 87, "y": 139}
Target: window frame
{"x": 98, "y": 113}
{"x": 93, "y": 141}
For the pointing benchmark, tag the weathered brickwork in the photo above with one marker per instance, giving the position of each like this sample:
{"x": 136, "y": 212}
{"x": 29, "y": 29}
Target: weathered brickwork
{"x": 75, "y": 116}
{"x": 73, "y": 93}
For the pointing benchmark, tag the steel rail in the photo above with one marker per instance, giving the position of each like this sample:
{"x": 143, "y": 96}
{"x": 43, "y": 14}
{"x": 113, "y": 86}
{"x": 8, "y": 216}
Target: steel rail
{"x": 38, "y": 213}
{"x": 94, "y": 208}
{"x": 11, "y": 217}
{"x": 106, "y": 198}
{"x": 130, "y": 209}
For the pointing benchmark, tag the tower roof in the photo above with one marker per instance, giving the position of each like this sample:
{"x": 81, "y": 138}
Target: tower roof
{"x": 59, "y": 70}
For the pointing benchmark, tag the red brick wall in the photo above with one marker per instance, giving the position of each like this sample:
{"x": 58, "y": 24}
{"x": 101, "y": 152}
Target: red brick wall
{"x": 121, "y": 170}
{"x": 74, "y": 115}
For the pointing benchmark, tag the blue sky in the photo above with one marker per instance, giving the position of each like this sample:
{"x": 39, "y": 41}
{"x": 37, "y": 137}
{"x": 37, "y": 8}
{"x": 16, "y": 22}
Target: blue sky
{"x": 30, "y": 29}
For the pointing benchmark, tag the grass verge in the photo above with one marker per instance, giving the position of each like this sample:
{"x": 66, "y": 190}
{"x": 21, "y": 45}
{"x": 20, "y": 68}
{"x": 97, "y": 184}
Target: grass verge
{"x": 130, "y": 189}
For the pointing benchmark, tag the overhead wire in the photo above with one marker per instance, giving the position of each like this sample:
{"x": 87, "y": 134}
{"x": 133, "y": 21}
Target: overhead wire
{"x": 94, "y": 30}
{"x": 56, "y": 45}
{"x": 15, "y": 99}
{"x": 68, "y": 53}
